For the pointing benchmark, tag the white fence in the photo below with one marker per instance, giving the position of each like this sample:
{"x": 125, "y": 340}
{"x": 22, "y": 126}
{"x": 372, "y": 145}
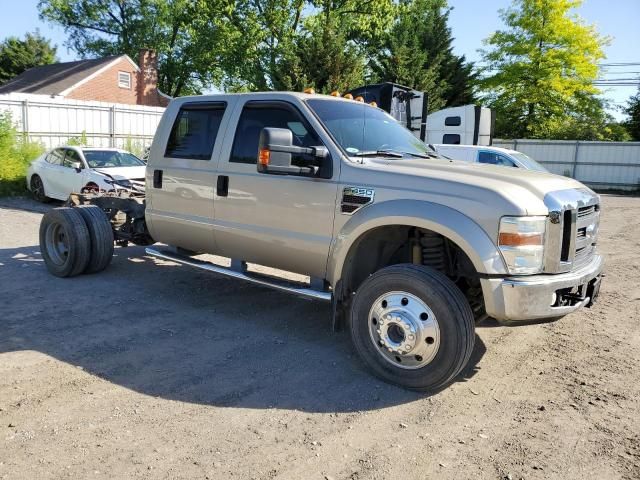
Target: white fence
{"x": 54, "y": 121}
{"x": 604, "y": 165}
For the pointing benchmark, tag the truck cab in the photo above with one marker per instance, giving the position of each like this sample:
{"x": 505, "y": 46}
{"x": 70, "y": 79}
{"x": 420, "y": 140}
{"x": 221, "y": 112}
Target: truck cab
{"x": 411, "y": 249}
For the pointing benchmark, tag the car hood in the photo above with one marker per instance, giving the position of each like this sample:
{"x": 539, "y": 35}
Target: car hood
{"x": 523, "y": 190}
{"x": 123, "y": 173}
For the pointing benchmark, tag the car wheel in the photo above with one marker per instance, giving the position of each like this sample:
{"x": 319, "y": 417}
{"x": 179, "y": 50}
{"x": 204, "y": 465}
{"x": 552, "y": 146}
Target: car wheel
{"x": 101, "y": 235}
{"x": 37, "y": 189}
{"x": 64, "y": 242}
{"x": 412, "y": 326}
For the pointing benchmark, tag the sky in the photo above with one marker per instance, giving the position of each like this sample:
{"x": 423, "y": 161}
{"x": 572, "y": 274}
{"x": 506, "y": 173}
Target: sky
{"x": 471, "y": 21}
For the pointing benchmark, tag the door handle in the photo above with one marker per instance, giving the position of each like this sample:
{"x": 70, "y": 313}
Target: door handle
{"x": 222, "y": 187}
{"x": 157, "y": 179}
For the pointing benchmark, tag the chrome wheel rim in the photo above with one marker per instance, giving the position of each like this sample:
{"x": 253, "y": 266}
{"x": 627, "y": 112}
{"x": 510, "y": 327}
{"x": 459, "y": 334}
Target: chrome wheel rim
{"x": 57, "y": 244}
{"x": 404, "y": 330}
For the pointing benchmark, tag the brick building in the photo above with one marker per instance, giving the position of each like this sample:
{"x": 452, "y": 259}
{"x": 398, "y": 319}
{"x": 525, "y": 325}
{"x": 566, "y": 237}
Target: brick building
{"x": 115, "y": 79}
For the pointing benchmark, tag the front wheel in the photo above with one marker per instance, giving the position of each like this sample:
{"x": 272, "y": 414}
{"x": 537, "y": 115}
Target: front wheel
{"x": 37, "y": 189}
{"x": 412, "y": 326}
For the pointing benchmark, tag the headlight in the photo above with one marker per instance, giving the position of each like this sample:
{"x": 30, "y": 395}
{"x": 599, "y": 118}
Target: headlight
{"x": 521, "y": 242}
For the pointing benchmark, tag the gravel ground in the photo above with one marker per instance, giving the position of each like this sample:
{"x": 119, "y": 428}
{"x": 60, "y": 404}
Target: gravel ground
{"x": 154, "y": 370}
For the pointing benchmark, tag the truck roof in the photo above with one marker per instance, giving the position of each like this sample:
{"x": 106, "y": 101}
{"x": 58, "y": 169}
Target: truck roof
{"x": 261, "y": 96}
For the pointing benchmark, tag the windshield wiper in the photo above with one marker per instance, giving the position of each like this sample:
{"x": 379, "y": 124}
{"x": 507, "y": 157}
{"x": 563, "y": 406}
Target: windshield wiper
{"x": 378, "y": 153}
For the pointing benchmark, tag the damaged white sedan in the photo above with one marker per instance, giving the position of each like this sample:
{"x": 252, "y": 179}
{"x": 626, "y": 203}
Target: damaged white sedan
{"x": 65, "y": 170}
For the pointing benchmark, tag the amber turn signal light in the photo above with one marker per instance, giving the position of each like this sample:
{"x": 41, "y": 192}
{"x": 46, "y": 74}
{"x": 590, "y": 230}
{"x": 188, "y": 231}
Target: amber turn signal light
{"x": 264, "y": 156}
{"x": 520, "y": 239}
{"x": 309, "y": 90}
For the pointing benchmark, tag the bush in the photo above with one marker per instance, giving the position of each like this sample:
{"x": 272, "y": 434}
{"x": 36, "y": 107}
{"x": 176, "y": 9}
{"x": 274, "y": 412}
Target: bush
{"x": 15, "y": 156}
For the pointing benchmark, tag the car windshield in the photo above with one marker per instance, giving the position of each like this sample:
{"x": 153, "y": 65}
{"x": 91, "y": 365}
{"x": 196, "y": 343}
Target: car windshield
{"x": 528, "y": 162}
{"x": 364, "y": 130}
{"x": 111, "y": 158}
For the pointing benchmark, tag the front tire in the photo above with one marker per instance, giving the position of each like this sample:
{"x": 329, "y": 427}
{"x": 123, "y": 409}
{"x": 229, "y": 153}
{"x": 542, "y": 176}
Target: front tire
{"x": 412, "y": 327}
{"x": 37, "y": 189}
{"x": 64, "y": 242}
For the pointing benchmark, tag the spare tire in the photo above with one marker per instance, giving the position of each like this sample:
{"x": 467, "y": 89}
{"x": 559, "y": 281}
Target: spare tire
{"x": 64, "y": 242}
{"x": 101, "y": 235}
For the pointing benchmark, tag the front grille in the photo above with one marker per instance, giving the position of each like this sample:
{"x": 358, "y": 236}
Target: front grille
{"x": 585, "y": 237}
{"x": 586, "y": 211}
{"x": 571, "y": 229}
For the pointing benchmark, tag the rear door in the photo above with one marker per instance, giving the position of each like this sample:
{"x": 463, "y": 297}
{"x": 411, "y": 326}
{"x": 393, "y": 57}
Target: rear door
{"x": 282, "y": 221}
{"x": 181, "y": 175}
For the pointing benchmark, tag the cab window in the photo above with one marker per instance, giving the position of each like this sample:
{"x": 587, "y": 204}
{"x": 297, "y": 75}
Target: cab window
{"x": 195, "y": 130}
{"x": 257, "y": 115}
{"x": 494, "y": 158}
{"x": 71, "y": 157}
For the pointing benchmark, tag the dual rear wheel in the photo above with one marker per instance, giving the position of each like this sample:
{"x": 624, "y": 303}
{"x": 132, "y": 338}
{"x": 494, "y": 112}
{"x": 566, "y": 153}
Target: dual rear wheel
{"x": 76, "y": 240}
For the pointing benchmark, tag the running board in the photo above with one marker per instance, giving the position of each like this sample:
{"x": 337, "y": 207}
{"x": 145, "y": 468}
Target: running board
{"x": 263, "y": 280}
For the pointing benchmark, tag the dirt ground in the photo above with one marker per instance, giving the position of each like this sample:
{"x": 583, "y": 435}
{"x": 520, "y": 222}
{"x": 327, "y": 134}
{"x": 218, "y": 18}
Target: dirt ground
{"x": 154, "y": 370}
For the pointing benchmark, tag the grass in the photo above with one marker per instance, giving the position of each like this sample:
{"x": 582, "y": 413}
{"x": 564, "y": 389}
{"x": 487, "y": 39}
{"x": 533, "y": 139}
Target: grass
{"x": 15, "y": 156}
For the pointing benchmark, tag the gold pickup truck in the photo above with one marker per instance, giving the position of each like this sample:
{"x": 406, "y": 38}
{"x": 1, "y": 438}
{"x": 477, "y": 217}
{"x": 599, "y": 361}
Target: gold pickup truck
{"x": 411, "y": 249}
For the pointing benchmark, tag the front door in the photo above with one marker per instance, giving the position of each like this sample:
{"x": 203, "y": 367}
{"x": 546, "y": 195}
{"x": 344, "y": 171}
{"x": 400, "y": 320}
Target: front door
{"x": 72, "y": 179}
{"x": 282, "y": 221}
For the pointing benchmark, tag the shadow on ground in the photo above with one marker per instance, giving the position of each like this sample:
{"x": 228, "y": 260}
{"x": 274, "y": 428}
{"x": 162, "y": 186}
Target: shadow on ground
{"x": 178, "y": 333}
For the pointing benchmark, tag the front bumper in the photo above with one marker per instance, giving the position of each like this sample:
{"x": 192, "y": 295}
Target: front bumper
{"x": 540, "y": 297}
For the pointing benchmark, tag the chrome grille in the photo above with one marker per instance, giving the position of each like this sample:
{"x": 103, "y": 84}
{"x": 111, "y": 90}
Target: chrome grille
{"x": 571, "y": 229}
{"x": 587, "y": 220}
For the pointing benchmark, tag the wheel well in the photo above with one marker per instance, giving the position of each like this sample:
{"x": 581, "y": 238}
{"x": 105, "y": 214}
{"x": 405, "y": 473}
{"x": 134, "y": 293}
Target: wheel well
{"x": 395, "y": 244}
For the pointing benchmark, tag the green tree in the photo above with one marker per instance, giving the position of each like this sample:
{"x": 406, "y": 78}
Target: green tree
{"x": 540, "y": 70}
{"x": 290, "y": 44}
{"x": 417, "y": 52}
{"x": 191, "y": 37}
{"x": 633, "y": 110}
{"x": 18, "y": 55}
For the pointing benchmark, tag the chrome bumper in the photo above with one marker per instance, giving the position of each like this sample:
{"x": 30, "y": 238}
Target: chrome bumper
{"x": 513, "y": 299}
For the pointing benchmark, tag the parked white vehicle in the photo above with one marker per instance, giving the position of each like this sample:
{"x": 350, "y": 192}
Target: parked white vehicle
{"x": 489, "y": 155}
{"x": 64, "y": 170}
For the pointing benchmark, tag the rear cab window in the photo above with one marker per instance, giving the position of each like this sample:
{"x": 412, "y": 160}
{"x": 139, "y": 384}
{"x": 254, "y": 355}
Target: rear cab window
{"x": 194, "y": 131}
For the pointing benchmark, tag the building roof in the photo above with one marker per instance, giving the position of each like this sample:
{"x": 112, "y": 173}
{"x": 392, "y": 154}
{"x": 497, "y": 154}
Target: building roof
{"x": 57, "y": 78}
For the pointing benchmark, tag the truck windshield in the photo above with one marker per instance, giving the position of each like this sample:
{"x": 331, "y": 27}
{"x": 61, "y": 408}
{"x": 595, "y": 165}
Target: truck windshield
{"x": 362, "y": 130}
{"x": 528, "y": 162}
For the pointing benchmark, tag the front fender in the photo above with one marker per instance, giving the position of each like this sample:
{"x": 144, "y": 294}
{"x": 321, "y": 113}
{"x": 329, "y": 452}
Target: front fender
{"x": 450, "y": 223}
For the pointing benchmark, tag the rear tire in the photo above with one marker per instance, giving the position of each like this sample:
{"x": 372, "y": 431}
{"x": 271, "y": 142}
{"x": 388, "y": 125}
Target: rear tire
{"x": 412, "y": 327}
{"x": 37, "y": 189}
{"x": 101, "y": 235}
{"x": 64, "y": 242}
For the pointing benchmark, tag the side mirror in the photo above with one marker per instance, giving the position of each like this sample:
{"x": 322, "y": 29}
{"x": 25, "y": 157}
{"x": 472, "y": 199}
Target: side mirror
{"x": 275, "y": 149}
{"x": 77, "y": 166}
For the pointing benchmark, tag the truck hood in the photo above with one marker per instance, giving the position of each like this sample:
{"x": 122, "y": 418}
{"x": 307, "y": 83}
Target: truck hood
{"x": 523, "y": 190}
{"x": 123, "y": 173}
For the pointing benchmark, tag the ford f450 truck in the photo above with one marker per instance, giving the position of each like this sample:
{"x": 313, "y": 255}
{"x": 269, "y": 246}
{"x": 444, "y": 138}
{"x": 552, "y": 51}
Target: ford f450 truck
{"x": 410, "y": 249}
